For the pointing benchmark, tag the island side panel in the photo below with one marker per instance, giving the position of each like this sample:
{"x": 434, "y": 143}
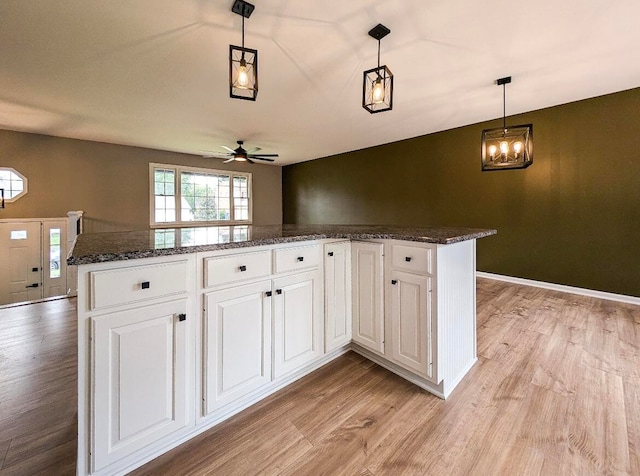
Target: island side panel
{"x": 456, "y": 325}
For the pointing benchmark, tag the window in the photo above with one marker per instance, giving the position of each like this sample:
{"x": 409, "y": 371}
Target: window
{"x": 203, "y": 235}
{"x": 13, "y": 183}
{"x": 187, "y": 195}
{"x": 54, "y": 253}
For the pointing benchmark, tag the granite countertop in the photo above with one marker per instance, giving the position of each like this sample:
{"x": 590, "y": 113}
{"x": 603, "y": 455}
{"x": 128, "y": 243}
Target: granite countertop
{"x": 116, "y": 246}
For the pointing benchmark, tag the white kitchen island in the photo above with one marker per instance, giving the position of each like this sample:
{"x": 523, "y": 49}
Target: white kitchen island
{"x": 180, "y": 329}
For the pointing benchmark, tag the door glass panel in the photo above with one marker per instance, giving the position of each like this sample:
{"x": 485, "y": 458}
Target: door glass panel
{"x": 18, "y": 234}
{"x": 54, "y": 253}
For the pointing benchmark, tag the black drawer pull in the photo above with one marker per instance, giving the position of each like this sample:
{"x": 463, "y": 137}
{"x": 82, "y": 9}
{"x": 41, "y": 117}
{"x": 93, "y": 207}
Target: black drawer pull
{"x": 268, "y": 293}
{"x": 145, "y": 284}
{"x": 278, "y": 291}
{"x": 243, "y": 268}
{"x": 300, "y": 258}
{"x": 34, "y": 285}
{"x": 407, "y": 258}
{"x": 394, "y": 281}
{"x": 182, "y": 317}
{"x": 330, "y": 253}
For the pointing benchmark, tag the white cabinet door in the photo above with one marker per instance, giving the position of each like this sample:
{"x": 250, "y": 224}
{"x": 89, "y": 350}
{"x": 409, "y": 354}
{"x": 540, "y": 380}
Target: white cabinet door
{"x": 237, "y": 343}
{"x": 411, "y": 331}
{"x": 139, "y": 379}
{"x": 368, "y": 295}
{"x": 337, "y": 290}
{"x": 298, "y": 317}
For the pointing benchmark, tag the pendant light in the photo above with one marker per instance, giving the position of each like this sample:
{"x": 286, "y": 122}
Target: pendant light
{"x": 243, "y": 62}
{"x": 377, "y": 86}
{"x": 507, "y": 147}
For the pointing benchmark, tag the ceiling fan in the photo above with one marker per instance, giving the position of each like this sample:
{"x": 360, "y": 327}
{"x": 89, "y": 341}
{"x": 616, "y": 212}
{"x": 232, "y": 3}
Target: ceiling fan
{"x": 240, "y": 154}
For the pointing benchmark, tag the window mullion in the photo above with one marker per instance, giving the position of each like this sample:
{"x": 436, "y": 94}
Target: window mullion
{"x": 178, "y": 194}
{"x": 232, "y": 212}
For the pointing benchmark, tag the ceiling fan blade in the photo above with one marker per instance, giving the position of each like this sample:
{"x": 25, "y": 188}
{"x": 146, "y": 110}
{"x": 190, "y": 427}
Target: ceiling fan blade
{"x": 254, "y": 150}
{"x": 250, "y": 161}
{"x": 263, "y": 158}
{"x": 255, "y": 156}
{"x": 229, "y": 160}
{"x": 227, "y": 148}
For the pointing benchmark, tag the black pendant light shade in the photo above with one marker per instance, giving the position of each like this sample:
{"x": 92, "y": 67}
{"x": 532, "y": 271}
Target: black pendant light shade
{"x": 243, "y": 62}
{"x": 377, "y": 83}
{"x": 507, "y": 147}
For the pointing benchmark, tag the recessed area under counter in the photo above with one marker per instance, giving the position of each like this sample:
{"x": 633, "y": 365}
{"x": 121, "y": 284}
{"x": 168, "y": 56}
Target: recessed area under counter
{"x": 217, "y": 340}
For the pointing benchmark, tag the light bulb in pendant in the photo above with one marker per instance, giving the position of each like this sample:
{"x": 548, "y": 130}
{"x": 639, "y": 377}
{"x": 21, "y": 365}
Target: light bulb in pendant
{"x": 504, "y": 147}
{"x": 517, "y": 147}
{"x": 492, "y": 151}
{"x": 378, "y": 91}
{"x": 243, "y": 76}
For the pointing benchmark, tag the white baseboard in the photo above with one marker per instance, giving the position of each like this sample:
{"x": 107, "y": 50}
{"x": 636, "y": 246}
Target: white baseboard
{"x": 562, "y": 288}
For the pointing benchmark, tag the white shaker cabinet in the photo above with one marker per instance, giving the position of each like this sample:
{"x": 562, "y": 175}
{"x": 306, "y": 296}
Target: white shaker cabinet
{"x": 368, "y": 295}
{"x": 297, "y": 328}
{"x": 410, "y": 322}
{"x": 237, "y": 343}
{"x": 140, "y": 379}
{"x": 337, "y": 294}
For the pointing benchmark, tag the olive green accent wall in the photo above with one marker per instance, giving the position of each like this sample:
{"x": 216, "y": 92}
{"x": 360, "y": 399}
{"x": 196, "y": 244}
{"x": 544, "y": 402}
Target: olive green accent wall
{"x": 573, "y": 217}
{"x": 110, "y": 183}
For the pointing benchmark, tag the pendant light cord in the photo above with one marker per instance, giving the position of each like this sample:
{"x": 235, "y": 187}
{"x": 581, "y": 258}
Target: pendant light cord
{"x": 504, "y": 108}
{"x": 243, "y": 32}
{"x": 378, "y": 54}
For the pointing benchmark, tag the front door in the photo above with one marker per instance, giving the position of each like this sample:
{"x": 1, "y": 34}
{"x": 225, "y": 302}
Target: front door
{"x": 20, "y": 262}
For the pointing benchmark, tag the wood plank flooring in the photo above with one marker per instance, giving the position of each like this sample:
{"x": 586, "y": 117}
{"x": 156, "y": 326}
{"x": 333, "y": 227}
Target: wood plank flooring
{"x": 556, "y": 391}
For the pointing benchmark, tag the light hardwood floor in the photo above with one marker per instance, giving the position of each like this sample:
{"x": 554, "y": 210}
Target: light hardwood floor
{"x": 556, "y": 391}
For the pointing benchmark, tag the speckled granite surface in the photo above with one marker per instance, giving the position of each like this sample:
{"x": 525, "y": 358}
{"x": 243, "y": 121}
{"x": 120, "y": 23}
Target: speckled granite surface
{"x": 117, "y": 246}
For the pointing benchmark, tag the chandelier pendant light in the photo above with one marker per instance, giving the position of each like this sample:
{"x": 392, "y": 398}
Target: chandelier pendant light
{"x": 377, "y": 86}
{"x": 507, "y": 147}
{"x": 243, "y": 62}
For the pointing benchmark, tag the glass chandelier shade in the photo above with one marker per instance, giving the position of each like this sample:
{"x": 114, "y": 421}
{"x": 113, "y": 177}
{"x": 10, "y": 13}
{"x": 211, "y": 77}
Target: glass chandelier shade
{"x": 377, "y": 94}
{"x": 507, "y": 147}
{"x": 243, "y": 73}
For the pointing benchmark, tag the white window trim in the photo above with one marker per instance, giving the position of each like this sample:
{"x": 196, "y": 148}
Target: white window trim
{"x": 190, "y": 224}
{"x": 25, "y": 185}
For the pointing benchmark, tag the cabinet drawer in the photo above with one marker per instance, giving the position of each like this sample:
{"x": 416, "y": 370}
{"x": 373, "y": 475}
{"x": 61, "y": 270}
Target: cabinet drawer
{"x": 412, "y": 259}
{"x": 220, "y": 270}
{"x": 115, "y": 287}
{"x": 293, "y": 259}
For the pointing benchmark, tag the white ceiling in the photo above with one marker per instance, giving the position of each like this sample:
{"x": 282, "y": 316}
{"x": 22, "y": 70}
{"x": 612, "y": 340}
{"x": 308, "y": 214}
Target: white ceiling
{"x": 154, "y": 73}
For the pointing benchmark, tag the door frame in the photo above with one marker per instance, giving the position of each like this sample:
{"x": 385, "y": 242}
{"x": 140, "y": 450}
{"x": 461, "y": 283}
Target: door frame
{"x": 47, "y": 224}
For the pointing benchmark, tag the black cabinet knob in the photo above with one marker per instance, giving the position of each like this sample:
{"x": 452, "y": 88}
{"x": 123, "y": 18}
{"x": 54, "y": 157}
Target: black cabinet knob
{"x": 278, "y": 291}
{"x": 300, "y": 258}
{"x": 243, "y": 268}
{"x": 394, "y": 281}
{"x": 182, "y": 317}
{"x": 407, "y": 258}
{"x": 145, "y": 284}
{"x": 268, "y": 293}
{"x": 330, "y": 253}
